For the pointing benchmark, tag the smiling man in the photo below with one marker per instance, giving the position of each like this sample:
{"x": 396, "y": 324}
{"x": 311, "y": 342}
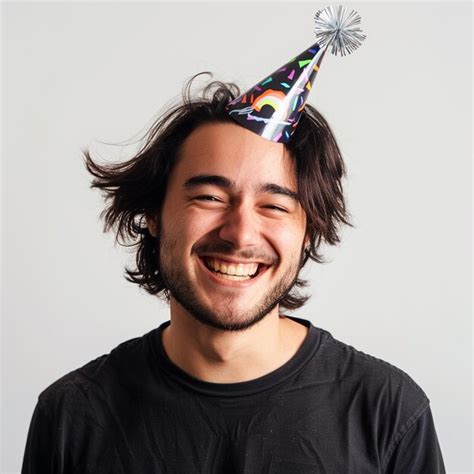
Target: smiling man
{"x": 232, "y": 235}
{"x": 223, "y": 221}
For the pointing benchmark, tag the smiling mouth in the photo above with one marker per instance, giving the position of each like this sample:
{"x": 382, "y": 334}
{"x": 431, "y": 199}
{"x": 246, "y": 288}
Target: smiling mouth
{"x": 233, "y": 271}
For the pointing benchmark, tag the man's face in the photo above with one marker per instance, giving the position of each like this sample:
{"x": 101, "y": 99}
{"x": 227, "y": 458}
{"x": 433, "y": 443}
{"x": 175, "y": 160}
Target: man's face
{"x": 232, "y": 233}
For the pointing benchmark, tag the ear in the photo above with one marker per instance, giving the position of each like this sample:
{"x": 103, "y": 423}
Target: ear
{"x": 151, "y": 224}
{"x": 307, "y": 241}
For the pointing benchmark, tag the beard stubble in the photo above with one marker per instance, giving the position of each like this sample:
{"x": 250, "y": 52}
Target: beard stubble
{"x": 229, "y": 319}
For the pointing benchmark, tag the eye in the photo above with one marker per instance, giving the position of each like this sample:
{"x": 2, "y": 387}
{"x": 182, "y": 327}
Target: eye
{"x": 207, "y": 197}
{"x": 275, "y": 208}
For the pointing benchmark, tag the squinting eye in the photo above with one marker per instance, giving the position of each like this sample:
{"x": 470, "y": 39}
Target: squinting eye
{"x": 275, "y": 208}
{"x": 206, "y": 197}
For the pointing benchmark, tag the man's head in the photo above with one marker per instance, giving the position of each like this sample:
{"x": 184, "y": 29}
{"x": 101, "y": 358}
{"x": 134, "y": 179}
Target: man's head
{"x": 232, "y": 230}
{"x": 204, "y": 190}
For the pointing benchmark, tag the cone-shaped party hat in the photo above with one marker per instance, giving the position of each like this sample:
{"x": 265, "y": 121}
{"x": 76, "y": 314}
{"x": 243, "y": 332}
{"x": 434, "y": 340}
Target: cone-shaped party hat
{"x": 272, "y": 108}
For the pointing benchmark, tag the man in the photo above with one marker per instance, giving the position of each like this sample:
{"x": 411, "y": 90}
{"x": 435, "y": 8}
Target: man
{"x": 223, "y": 221}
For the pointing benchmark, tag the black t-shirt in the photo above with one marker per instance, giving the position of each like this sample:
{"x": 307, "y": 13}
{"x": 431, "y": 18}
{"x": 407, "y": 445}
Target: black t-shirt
{"x": 329, "y": 409}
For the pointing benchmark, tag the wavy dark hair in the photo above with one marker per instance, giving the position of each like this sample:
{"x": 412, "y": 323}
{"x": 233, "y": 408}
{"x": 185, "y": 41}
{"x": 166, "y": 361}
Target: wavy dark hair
{"x": 136, "y": 188}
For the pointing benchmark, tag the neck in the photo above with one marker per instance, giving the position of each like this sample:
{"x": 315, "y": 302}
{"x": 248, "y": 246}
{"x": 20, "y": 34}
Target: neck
{"x": 213, "y": 355}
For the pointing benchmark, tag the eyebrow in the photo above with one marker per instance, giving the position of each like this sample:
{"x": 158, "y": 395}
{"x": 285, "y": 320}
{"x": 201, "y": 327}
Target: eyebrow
{"x": 228, "y": 185}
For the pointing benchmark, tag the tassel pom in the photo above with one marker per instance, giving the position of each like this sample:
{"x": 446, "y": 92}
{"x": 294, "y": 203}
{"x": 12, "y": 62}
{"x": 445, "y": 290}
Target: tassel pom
{"x": 338, "y": 29}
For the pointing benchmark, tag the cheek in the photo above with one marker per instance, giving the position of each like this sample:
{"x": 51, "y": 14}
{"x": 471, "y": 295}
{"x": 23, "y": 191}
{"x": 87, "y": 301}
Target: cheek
{"x": 187, "y": 228}
{"x": 292, "y": 230}
{"x": 287, "y": 239}
{"x": 203, "y": 220}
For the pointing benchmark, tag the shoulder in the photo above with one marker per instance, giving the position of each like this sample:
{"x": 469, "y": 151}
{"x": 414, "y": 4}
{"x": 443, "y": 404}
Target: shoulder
{"x": 385, "y": 396}
{"x": 97, "y": 379}
{"x": 355, "y": 365}
{"x": 85, "y": 408}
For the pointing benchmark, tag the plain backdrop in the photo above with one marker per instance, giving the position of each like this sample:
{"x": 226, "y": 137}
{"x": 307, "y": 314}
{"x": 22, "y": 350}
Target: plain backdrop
{"x": 398, "y": 287}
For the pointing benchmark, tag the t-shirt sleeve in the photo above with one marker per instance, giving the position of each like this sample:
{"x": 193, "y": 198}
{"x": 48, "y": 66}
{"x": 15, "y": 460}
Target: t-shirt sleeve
{"x": 40, "y": 454}
{"x": 65, "y": 433}
{"x": 418, "y": 450}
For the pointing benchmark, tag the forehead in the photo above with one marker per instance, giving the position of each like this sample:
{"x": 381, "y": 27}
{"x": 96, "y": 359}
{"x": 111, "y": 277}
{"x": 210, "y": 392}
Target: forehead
{"x": 232, "y": 151}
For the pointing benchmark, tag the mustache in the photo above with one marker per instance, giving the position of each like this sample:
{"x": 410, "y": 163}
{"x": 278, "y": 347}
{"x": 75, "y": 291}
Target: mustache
{"x": 227, "y": 249}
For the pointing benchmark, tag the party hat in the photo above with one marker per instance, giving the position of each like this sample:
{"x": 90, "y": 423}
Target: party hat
{"x": 272, "y": 108}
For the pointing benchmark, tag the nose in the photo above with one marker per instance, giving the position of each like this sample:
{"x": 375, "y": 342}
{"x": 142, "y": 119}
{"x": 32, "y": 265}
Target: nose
{"x": 240, "y": 227}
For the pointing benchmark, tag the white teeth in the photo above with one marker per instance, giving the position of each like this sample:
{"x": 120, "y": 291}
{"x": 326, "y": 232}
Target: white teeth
{"x": 233, "y": 277}
{"x": 235, "y": 270}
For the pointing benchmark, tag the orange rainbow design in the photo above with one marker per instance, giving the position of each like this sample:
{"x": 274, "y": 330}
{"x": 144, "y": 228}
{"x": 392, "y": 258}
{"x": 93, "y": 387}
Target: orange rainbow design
{"x": 270, "y": 97}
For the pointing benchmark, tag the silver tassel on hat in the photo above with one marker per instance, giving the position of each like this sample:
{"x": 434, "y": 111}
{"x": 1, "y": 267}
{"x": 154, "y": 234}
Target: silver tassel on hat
{"x": 338, "y": 29}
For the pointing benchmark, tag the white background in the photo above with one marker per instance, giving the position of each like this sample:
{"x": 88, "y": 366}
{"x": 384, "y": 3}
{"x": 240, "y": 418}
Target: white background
{"x": 398, "y": 287}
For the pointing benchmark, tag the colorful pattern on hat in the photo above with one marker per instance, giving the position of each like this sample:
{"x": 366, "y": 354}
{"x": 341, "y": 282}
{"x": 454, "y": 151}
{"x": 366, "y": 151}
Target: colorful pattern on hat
{"x": 273, "y": 107}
